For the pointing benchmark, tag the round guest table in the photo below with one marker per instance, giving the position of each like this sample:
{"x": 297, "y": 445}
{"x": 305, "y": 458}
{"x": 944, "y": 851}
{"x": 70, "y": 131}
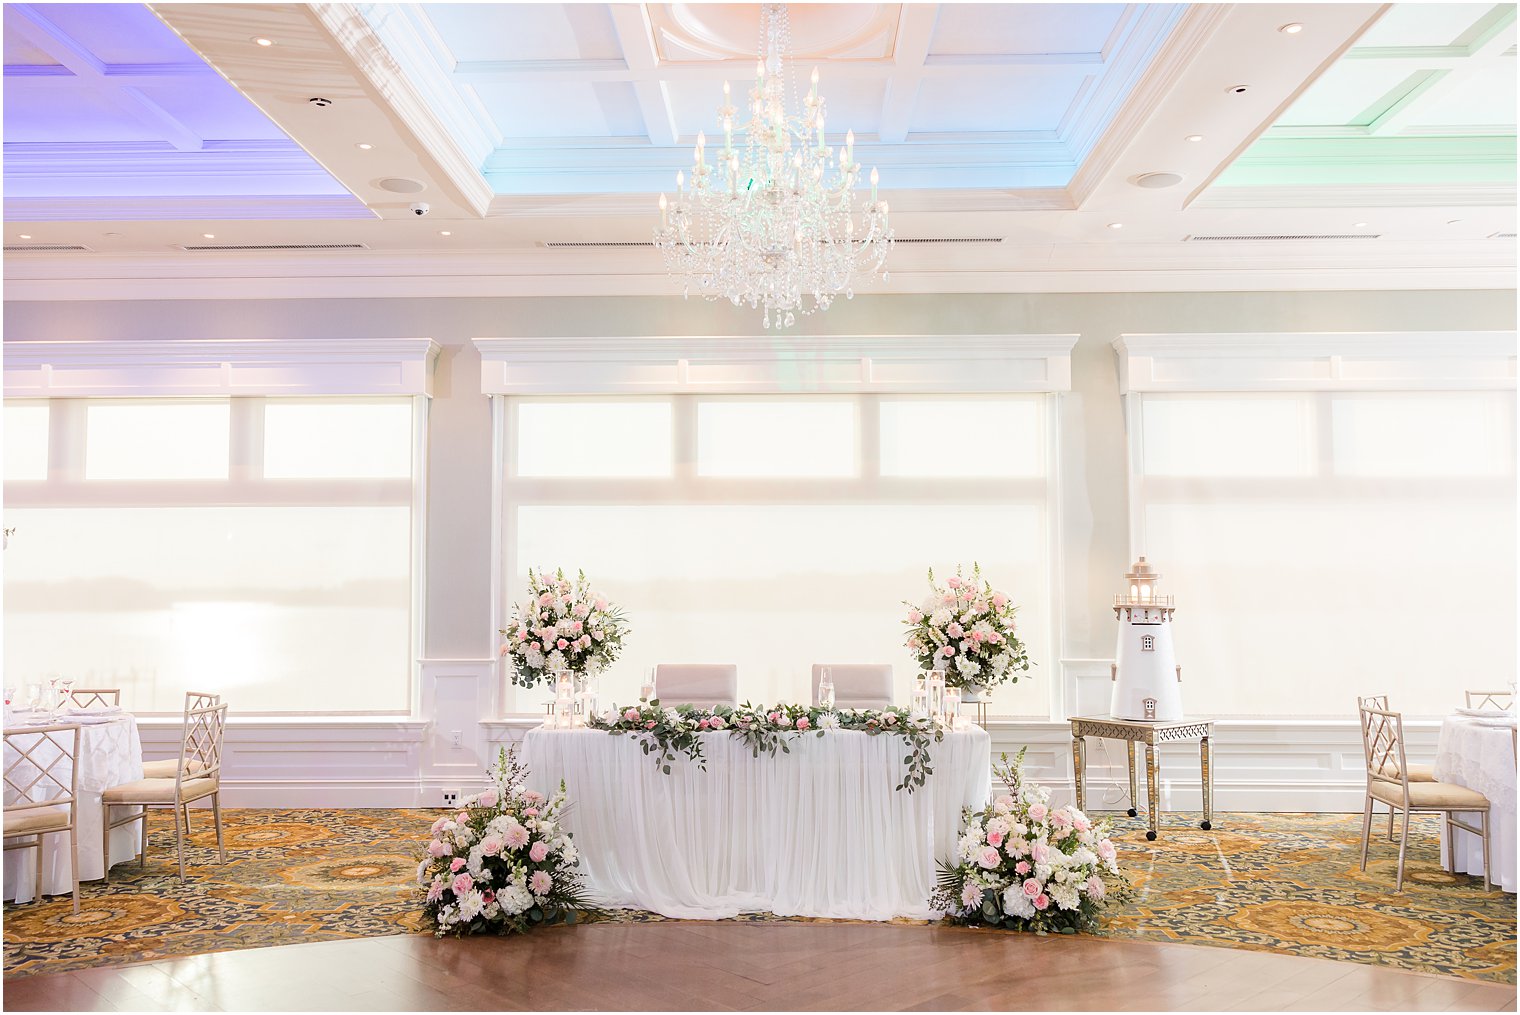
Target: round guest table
{"x": 110, "y": 753}
{"x": 821, "y": 831}
{"x": 1480, "y": 757}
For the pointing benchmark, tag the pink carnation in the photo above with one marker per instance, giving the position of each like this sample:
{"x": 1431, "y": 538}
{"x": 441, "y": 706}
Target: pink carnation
{"x": 438, "y": 825}
{"x": 435, "y": 891}
{"x": 1032, "y": 887}
{"x": 457, "y": 864}
{"x": 533, "y": 797}
{"x": 540, "y": 882}
{"x": 650, "y": 724}
{"x": 954, "y": 583}
{"x": 531, "y": 812}
{"x": 1021, "y": 868}
{"x": 463, "y": 883}
{"x": 1081, "y": 824}
{"x": 802, "y": 722}
{"x": 1095, "y": 889}
{"x": 1106, "y": 850}
{"x": 999, "y": 600}
{"x": 538, "y": 852}
{"x": 914, "y": 617}
{"x": 947, "y": 651}
{"x": 994, "y": 838}
{"x": 487, "y": 799}
{"x": 1042, "y": 901}
{"x": 955, "y": 630}
{"x": 632, "y": 715}
{"x": 436, "y": 848}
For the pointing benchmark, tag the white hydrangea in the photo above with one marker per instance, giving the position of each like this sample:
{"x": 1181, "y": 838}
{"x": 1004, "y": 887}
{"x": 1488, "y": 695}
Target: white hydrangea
{"x": 1066, "y": 896}
{"x": 514, "y": 899}
{"x": 1016, "y": 903}
{"x": 1084, "y": 857}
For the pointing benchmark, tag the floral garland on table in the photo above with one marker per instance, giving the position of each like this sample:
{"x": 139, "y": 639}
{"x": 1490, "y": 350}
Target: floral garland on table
{"x": 561, "y": 627}
{"x": 666, "y": 732}
{"x": 503, "y": 864}
{"x": 1025, "y": 866}
{"x": 968, "y": 630}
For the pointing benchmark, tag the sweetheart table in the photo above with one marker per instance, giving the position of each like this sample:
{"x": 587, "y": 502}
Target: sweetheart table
{"x": 821, "y": 831}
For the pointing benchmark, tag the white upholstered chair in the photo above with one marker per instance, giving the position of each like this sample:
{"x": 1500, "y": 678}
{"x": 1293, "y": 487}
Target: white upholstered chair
{"x": 40, "y": 799}
{"x": 857, "y": 685}
{"x": 197, "y": 777}
{"x": 704, "y": 685}
{"x": 92, "y": 697}
{"x": 1383, "y": 742}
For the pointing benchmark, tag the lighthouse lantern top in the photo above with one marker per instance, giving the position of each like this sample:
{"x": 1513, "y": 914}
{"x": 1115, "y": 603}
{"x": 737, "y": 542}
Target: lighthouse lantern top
{"x": 1142, "y": 580}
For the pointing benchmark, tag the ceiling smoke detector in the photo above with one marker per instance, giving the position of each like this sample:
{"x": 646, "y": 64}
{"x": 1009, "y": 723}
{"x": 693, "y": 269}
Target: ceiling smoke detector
{"x": 318, "y": 101}
{"x": 401, "y": 185}
{"x": 1238, "y": 89}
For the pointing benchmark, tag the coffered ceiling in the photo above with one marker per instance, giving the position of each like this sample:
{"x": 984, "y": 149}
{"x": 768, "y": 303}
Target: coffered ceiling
{"x": 1083, "y": 147}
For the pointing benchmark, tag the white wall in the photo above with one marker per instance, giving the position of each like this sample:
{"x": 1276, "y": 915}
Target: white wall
{"x": 409, "y": 762}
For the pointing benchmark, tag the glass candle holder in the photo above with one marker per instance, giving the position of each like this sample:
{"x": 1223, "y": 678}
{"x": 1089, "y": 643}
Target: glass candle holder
{"x": 564, "y": 701}
{"x": 937, "y": 693}
{"x": 953, "y": 706}
{"x": 646, "y": 690}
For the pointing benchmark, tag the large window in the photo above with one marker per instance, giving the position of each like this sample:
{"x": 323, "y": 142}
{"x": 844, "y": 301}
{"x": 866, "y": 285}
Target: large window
{"x": 1323, "y": 545}
{"x": 778, "y": 531}
{"x": 258, "y": 547}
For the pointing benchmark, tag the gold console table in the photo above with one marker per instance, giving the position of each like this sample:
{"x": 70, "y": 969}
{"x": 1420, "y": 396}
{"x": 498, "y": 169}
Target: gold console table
{"x": 1152, "y": 735}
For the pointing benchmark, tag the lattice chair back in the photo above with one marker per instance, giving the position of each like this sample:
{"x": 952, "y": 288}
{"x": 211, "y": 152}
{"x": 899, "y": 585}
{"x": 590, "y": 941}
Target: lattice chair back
{"x": 1373, "y": 701}
{"x": 1383, "y": 740}
{"x": 200, "y": 699}
{"x": 201, "y": 753}
{"x": 91, "y": 697}
{"x": 40, "y": 768}
{"x": 1501, "y": 700}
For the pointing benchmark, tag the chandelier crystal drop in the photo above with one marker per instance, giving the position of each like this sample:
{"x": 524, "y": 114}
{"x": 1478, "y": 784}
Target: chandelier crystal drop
{"x": 771, "y": 221}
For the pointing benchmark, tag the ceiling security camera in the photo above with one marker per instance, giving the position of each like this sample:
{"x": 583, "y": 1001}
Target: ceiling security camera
{"x": 420, "y": 208}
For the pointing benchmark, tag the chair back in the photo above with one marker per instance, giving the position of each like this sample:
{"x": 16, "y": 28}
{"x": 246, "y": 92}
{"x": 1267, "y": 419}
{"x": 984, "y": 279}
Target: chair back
{"x": 1373, "y": 701}
{"x": 1501, "y": 700}
{"x": 200, "y": 755}
{"x": 200, "y": 699}
{"x": 857, "y": 685}
{"x": 40, "y": 767}
{"x": 89, "y": 697}
{"x": 1383, "y": 744}
{"x": 705, "y": 685}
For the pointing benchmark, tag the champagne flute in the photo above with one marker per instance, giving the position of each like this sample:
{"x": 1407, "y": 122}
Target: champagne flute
{"x": 826, "y": 690}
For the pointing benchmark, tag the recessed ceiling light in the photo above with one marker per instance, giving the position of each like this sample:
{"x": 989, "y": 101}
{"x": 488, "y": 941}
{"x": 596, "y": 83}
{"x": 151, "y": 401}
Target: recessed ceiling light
{"x": 444, "y": 232}
{"x": 1156, "y": 181}
{"x": 364, "y": 146}
{"x": 1116, "y": 225}
{"x": 1193, "y": 137}
{"x": 25, "y": 236}
{"x": 1360, "y": 225}
{"x": 1452, "y": 222}
{"x": 402, "y": 185}
{"x": 1291, "y": 28}
{"x": 209, "y": 236}
{"x": 259, "y": 40}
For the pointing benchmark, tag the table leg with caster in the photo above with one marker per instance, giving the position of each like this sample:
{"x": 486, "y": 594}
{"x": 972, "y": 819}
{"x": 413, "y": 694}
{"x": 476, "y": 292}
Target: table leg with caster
{"x": 1152, "y": 796}
{"x": 1208, "y": 785}
{"x": 1129, "y": 748}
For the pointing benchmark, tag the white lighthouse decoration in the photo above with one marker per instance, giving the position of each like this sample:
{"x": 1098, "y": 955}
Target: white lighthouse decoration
{"x": 1147, "y": 679}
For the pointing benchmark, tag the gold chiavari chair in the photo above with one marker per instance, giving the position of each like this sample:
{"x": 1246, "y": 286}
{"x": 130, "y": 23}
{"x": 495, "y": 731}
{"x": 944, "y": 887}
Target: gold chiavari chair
{"x": 89, "y": 697}
{"x": 197, "y": 777}
{"x": 40, "y": 798}
{"x": 1383, "y": 740}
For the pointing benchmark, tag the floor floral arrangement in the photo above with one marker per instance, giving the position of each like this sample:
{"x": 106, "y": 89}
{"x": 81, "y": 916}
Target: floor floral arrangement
{"x": 1024, "y": 865}
{"x": 670, "y": 731}
{"x": 502, "y": 864}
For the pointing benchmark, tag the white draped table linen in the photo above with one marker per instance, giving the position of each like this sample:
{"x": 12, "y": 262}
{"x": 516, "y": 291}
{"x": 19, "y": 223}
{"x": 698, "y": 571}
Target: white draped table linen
{"x": 110, "y": 754}
{"x": 1481, "y": 758}
{"x": 821, "y": 831}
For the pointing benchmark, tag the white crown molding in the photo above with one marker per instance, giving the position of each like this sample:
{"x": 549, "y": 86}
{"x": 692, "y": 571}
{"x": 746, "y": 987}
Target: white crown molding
{"x": 185, "y": 209}
{"x": 1376, "y": 195}
{"x": 125, "y": 160}
{"x": 775, "y": 364}
{"x": 281, "y": 366}
{"x": 431, "y": 110}
{"x": 1317, "y": 361}
{"x": 599, "y": 206}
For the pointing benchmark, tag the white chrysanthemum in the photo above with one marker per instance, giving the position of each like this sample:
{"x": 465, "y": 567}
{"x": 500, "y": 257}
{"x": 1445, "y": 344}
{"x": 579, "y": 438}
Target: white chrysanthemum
{"x": 970, "y": 846}
{"x": 1067, "y": 896}
{"x": 829, "y": 721}
{"x": 940, "y": 618}
{"x": 967, "y": 665}
{"x": 470, "y": 905}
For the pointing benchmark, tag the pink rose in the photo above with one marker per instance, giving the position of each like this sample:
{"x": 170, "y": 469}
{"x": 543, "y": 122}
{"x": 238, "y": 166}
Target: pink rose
{"x": 994, "y": 838}
{"x": 989, "y": 858}
{"x": 802, "y": 722}
{"x": 457, "y": 864}
{"x": 1031, "y": 888}
{"x": 1040, "y": 851}
{"x": 530, "y": 812}
{"x": 1106, "y": 850}
{"x": 891, "y": 719}
{"x": 632, "y": 715}
{"x": 1095, "y": 889}
{"x": 438, "y": 825}
{"x": 487, "y": 799}
{"x": 436, "y": 848}
{"x": 491, "y": 845}
{"x": 540, "y": 882}
{"x": 601, "y": 604}
{"x": 954, "y": 583}
{"x": 947, "y": 651}
{"x": 546, "y": 599}
{"x": 775, "y": 717}
{"x": 914, "y": 617}
{"x": 999, "y": 600}
{"x": 1021, "y": 868}
{"x": 650, "y": 724}
{"x": 1037, "y": 812}
{"x": 1042, "y": 902}
{"x": 562, "y": 643}
{"x": 716, "y": 722}
{"x": 538, "y": 852}
{"x": 463, "y": 883}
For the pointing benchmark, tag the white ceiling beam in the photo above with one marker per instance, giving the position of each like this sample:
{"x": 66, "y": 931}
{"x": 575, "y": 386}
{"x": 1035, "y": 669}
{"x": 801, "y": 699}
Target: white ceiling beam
{"x": 1493, "y": 37}
{"x": 37, "y": 29}
{"x": 636, "y": 38}
{"x": 947, "y": 65}
{"x": 915, "y": 33}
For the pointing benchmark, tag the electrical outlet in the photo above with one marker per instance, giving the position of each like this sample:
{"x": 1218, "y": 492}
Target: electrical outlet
{"x": 451, "y": 798}
{"x": 456, "y": 740}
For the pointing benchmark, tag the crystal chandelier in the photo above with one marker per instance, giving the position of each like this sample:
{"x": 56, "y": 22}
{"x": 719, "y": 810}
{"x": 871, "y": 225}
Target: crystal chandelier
{"x": 773, "y": 220}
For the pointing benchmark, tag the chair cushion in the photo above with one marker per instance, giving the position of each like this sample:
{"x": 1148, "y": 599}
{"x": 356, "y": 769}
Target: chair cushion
{"x": 169, "y": 768}
{"x": 1435, "y": 796}
{"x": 30, "y": 822}
{"x": 157, "y": 791}
{"x": 1417, "y": 773}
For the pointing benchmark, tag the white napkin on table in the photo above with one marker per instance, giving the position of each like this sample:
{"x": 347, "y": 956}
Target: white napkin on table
{"x": 1487, "y": 713}
{"x": 96, "y": 710}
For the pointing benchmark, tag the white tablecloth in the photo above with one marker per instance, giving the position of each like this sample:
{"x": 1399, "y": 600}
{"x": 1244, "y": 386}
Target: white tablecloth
{"x": 819, "y": 832}
{"x": 109, "y": 755}
{"x": 1481, "y": 758}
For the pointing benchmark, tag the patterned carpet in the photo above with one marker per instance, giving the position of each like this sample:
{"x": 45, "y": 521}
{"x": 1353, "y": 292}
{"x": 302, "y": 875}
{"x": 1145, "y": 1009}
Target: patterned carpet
{"x": 1279, "y": 882}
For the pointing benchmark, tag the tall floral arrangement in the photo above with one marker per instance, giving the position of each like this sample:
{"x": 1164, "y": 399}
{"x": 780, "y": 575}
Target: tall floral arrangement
{"x": 967, "y": 629}
{"x": 1024, "y": 865}
{"x": 503, "y": 864}
{"x": 561, "y": 626}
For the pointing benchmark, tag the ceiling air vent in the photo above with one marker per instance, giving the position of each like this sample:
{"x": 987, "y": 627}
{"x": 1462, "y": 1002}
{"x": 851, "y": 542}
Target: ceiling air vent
{"x": 46, "y": 247}
{"x": 1285, "y": 236}
{"x": 273, "y": 246}
{"x": 1492, "y": 236}
{"x": 613, "y": 244}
